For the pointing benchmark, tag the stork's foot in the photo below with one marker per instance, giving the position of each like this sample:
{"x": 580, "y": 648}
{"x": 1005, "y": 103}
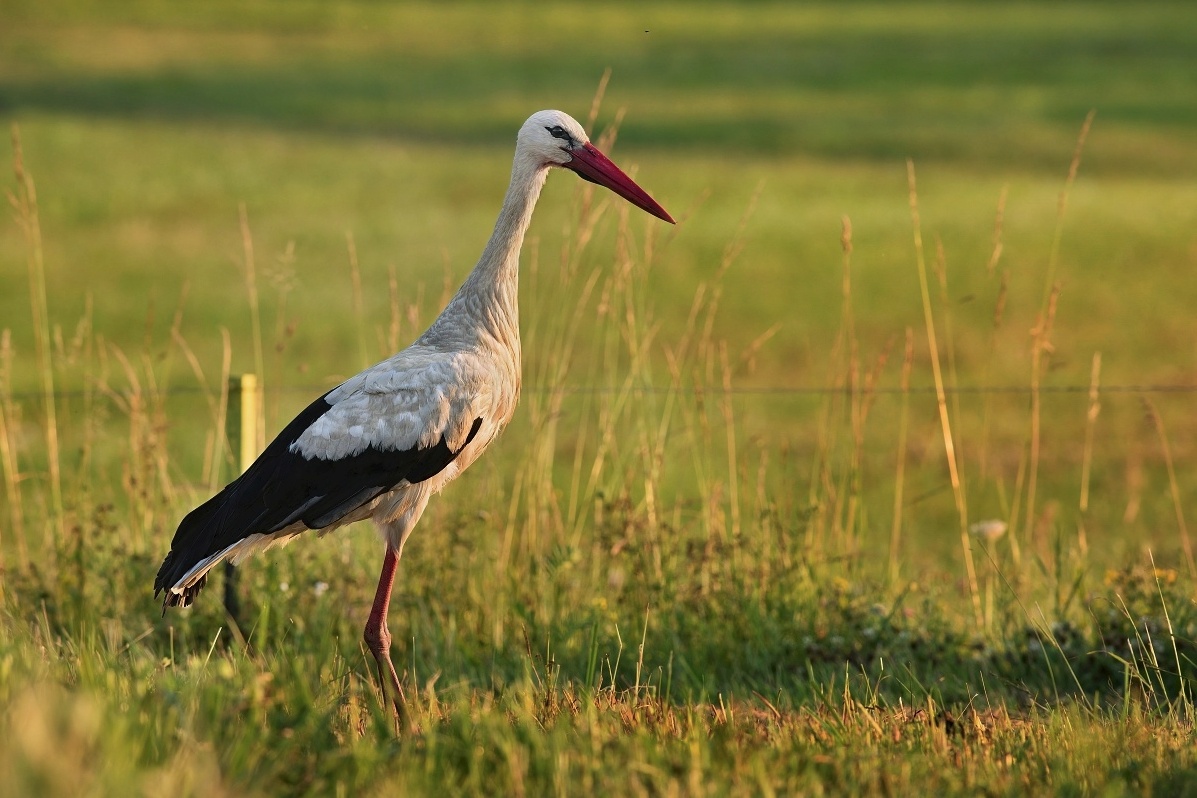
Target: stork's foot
{"x": 378, "y": 640}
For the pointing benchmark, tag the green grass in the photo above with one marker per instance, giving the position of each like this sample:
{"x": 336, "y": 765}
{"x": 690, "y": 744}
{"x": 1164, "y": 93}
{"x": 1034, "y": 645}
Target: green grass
{"x": 651, "y": 585}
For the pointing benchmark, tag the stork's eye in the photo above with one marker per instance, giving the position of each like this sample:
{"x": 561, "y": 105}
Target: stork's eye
{"x": 558, "y": 132}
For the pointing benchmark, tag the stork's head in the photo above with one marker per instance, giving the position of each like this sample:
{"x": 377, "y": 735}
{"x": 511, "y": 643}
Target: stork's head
{"x": 555, "y": 138}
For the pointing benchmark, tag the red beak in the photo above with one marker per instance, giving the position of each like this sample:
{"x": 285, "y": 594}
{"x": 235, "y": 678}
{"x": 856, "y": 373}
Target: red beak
{"x": 592, "y": 165}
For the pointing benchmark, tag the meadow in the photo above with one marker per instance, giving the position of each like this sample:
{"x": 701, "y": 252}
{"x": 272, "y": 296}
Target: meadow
{"x": 931, "y": 271}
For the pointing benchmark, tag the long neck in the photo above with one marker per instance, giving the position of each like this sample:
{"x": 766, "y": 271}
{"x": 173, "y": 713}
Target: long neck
{"x": 487, "y": 301}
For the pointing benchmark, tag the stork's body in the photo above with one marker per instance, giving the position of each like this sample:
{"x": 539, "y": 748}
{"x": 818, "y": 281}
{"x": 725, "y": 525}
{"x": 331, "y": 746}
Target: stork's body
{"x": 380, "y": 444}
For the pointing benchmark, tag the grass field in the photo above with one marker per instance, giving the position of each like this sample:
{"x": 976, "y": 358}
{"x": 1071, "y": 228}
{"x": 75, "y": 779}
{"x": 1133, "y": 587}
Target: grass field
{"x": 727, "y": 546}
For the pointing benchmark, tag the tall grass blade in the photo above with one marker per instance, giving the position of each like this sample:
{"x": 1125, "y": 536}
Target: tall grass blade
{"x": 1157, "y": 423}
{"x": 24, "y": 203}
{"x": 941, "y": 398}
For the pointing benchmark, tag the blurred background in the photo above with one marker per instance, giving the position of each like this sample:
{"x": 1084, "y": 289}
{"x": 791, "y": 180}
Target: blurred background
{"x": 146, "y": 125}
{"x": 368, "y": 144}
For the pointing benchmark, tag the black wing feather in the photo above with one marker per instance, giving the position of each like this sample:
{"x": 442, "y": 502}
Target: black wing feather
{"x": 283, "y": 487}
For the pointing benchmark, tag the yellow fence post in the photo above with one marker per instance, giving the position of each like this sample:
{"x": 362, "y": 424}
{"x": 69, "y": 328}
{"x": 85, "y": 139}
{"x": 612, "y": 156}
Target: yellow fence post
{"x": 245, "y": 408}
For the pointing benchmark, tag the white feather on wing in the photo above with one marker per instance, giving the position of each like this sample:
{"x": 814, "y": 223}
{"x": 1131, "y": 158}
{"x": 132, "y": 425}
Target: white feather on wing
{"x": 400, "y": 405}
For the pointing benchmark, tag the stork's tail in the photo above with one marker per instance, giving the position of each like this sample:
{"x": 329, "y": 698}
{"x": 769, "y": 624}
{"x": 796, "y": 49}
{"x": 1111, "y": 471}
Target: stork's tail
{"x": 193, "y": 544}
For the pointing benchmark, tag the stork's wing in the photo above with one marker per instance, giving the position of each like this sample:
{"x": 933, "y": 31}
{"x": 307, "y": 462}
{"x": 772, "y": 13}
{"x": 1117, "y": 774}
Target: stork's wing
{"x": 348, "y": 447}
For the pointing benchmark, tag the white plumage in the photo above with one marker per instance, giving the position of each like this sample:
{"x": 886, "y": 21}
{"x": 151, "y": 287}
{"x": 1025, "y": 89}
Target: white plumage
{"x": 384, "y": 441}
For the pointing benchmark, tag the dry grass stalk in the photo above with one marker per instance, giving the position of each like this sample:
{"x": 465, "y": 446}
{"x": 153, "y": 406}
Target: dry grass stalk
{"x": 998, "y": 222}
{"x": 222, "y": 450}
{"x": 940, "y": 268}
{"x": 729, "y": 420}
{"x": 999, "y": 312}
{"x": 941, "y": 397}
{"x": 255, "y": 313}
{"x": 1090, "y": 426}
{"x": 9, "y": 421}
{"x": 895, "y": 534}
{"x": 1062, "y": 206}
{"x": 24, "y": 203}
{"x": 1041, "y": 349}
{"x": 359, "y": 309}
{"x": 1157, "y": 422}
{"x": 1087, "y": 452}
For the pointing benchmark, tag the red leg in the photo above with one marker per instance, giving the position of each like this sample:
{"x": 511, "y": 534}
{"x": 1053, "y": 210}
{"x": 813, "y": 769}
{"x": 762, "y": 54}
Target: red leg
{"x": 378, "y": 637}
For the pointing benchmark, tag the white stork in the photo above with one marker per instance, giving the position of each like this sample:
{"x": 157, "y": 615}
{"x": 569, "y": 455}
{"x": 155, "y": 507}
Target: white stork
{"x": 380, "y": 444}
